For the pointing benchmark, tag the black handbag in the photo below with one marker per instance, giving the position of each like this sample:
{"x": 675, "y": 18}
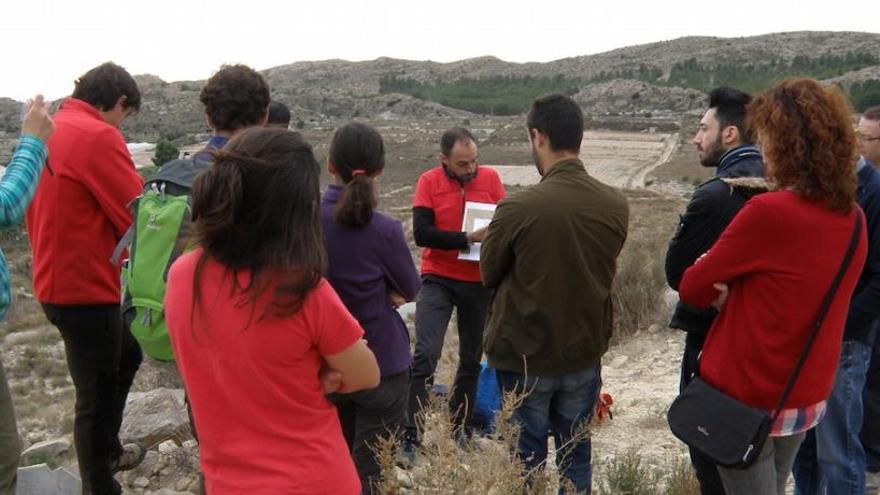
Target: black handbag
{"x": 725, "y": 430}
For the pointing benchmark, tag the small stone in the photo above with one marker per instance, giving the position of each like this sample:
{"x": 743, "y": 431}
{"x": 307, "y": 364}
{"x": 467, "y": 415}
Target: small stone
{"x": 403, "y": 477}
{"x": 141, "y": 482}
{"x": 619, "y": 362}
{"x": 183, "y": 484}
{"x": 167, "y": 447}
{"x": 196, "y": 486}
{"x": 47, "y": 451}
{"x": 191, "y": 445}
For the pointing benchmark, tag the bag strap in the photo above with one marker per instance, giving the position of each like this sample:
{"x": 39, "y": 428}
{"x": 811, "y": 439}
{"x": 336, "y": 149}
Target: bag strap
{"x": 826, "y": 304}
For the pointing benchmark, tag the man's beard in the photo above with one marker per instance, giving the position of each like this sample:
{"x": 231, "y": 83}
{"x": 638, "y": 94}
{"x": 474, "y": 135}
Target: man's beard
{"x": 712, "y": 155}
{"x": 464, "y": 179}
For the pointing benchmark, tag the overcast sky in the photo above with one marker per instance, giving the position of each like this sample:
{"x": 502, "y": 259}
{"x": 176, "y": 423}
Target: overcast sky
{"x": 50, "y": 42}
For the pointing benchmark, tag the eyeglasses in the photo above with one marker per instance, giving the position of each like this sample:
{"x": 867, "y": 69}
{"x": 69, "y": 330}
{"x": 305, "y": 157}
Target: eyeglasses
{"x": 866, "y": 139}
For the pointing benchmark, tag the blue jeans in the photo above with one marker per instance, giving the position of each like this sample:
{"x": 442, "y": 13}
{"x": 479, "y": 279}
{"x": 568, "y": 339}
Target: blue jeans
{"x": 562, "y": 404}
{"x": 831, "y": 458}
{"x": 871, "y": 425}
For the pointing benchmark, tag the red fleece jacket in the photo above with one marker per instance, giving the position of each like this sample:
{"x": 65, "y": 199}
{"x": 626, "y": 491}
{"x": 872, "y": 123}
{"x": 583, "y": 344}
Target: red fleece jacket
{"x": 81, "y": 210}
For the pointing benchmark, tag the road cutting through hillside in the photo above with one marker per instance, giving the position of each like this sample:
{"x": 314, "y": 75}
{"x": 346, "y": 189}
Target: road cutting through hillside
{"x": 619, "y": 159}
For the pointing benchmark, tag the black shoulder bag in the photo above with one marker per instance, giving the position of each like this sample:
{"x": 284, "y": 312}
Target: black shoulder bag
{"x": 727, "y": 431}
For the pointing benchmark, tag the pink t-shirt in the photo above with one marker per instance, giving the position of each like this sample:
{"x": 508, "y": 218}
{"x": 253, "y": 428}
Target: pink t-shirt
{"x": 263, "y": 423}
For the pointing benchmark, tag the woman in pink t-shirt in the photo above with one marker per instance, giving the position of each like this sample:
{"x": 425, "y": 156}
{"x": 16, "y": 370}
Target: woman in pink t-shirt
{"x": 258, "y": 334}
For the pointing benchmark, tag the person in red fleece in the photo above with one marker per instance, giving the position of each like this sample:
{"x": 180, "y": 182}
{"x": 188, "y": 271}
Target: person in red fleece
{"x": 79, "y": 213}
{"x": 772, "y": 266}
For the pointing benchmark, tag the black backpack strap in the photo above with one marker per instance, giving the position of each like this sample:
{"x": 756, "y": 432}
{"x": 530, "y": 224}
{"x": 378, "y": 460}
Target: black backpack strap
{"x": 823, "y": 310}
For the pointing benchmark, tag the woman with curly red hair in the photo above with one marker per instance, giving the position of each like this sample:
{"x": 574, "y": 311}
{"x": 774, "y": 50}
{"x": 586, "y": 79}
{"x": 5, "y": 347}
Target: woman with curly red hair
{"x": 771, "y": 268}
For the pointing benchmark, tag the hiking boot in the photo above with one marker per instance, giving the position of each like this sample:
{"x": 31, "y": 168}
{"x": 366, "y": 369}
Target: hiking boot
{"x": 132, "y": 455}
{"x": 406, "y": 455}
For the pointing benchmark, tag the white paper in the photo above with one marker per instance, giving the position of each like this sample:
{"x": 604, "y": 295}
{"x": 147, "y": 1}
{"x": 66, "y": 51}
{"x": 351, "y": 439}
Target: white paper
{"x": 476, "y": 216}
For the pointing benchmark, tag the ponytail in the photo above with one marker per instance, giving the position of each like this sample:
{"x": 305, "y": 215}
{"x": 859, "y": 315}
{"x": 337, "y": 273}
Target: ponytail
{"x": 355, "y": 207}
{"x": 358, "y": 155}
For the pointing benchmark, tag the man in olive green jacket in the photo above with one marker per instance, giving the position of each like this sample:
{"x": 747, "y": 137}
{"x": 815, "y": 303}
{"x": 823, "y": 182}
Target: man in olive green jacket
{"x": 550, "y": 254}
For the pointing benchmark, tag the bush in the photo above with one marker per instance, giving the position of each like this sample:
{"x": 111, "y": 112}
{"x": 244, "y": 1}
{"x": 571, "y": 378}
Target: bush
{"x": 682, "y": 480}
{"x": 627, "y": 476}
{"x": 165, "y": 152}
{"x": 639, "y": 286}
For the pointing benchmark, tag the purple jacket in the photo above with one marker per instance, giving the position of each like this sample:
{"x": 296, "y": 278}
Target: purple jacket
{"x": 364, "y": 265}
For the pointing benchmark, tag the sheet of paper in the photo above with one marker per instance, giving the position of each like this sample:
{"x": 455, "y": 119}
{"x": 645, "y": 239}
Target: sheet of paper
{"x": 476, "y": 216}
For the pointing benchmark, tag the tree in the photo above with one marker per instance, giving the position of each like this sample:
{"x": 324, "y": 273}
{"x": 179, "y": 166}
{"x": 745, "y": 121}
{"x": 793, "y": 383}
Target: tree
{"x": 165, "y": 152}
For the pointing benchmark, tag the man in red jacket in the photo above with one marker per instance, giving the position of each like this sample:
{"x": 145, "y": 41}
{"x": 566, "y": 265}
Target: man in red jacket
{"x": 79, "y": 213}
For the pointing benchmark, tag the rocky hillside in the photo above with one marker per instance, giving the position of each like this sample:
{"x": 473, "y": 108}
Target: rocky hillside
{"x": 631, "y": 81}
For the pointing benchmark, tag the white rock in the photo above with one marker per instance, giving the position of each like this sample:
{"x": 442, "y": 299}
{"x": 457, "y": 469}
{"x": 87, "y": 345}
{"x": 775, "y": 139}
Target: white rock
{"x": 45, "y": 451}
{"x": 167, "y": 447}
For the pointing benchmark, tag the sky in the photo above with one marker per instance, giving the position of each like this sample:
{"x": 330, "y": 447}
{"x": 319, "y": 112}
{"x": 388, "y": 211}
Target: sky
{"x": 49, "y": 43}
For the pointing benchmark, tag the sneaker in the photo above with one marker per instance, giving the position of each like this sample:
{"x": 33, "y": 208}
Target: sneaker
{"x": 132, "y": 455}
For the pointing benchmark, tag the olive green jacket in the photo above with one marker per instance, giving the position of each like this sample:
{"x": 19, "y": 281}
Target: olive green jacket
{"x": 550, "y": 254}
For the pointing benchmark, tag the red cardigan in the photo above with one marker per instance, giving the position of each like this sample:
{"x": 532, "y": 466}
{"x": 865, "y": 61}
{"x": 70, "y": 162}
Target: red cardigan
{"x": 81, "y": 211}
{"x": 779, "y": 256}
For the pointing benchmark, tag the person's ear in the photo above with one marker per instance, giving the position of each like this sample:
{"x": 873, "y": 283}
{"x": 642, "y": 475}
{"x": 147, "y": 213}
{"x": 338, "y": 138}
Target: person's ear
{"x": 730, "y": 135}
{"x": 264, "y": 118}
{"x": 538, "y": 138}
{"x": 331, "y": 168}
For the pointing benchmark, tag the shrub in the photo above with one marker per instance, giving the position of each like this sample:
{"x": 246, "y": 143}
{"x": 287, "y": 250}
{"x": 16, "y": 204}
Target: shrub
{"x": 165, "y": 152}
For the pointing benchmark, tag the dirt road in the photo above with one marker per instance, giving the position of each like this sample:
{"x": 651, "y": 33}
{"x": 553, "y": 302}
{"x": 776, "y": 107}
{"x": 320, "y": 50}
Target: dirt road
{"x": 619, "y": 159}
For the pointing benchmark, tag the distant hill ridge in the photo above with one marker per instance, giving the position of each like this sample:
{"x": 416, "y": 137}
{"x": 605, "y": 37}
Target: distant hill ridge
{"x": 655, "y": 78}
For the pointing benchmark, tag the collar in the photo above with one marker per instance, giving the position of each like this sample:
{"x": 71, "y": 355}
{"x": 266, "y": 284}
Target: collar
{"x": 862, "y": 163}
{"x": 728, "y": 165}
{"x": 332, "y": 194}
{"x": 77, "y": 105}
{"x": 565, "y": 166}
{"x": 217, "y": 142}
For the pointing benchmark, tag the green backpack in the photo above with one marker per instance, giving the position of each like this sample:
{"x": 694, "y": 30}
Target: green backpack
{"x": 161, "y": 217}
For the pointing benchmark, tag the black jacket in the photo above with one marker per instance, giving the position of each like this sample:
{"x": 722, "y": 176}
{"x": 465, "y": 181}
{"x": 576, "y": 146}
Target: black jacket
{"x": 864, "y": 310}
{"x": 712, "y": 206}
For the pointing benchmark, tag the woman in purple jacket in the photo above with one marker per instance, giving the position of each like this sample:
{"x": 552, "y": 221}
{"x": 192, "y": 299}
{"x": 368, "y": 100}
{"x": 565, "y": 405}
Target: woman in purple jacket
{"x": 372, "y": 270}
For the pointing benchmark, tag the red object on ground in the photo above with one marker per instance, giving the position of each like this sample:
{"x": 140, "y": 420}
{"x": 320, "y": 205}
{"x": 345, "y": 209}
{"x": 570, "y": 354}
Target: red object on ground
{"x": 603, "y": 407}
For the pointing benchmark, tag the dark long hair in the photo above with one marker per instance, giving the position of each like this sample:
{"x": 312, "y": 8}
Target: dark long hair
{"x": 256, "y": 210}
{"x": 358, "y": 155}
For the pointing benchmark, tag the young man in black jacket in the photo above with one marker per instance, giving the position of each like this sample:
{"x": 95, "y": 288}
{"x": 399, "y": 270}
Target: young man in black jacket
{"x": 722, "y": 142}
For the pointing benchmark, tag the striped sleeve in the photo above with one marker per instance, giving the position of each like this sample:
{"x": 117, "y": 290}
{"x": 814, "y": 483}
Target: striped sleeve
{"x": 19, "y": 183}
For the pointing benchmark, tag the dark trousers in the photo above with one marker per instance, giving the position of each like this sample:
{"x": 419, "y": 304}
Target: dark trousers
{"x": 102, "y": 359}
{"x": 10, "y": 444}
{"x": 705, "y": 469}
{"x": 436, "y": 300}
{"x": 367, "y": 417}
{"x": 871, "y": 426}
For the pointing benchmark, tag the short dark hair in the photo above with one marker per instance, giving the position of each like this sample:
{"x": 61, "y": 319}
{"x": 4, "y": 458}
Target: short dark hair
{"x": 559, "y": 118}
{"x": 102, "y": 87}
{"x": 279, "y": 114}
{"x": 452, "y": 136}
{"x": 730, "y": 109}
{"x": 872, "y": 113}
{"x": 235, "y": 97}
